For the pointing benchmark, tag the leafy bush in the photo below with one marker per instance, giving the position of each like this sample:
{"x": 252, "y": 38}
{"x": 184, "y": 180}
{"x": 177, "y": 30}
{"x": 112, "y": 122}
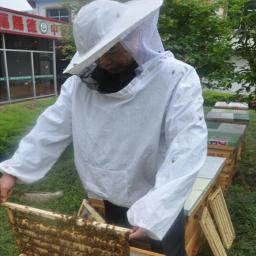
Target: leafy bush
{"x": 211, "y": 97}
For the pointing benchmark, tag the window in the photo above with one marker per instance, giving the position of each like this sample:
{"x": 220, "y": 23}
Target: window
{"x": 27, "y": 43}
{"x": 58, "y": 14}
{"x": 250, "y": 6}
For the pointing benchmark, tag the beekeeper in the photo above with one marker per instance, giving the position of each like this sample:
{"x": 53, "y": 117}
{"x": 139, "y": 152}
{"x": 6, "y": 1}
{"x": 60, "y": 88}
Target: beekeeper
{"x": 135, "y": 116}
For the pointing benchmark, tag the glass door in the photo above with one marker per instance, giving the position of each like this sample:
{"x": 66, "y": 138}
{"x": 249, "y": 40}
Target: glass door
{"x": 20, "y": 75}
{"x": 44, "y": 77}
{"x": 3, "y": 80}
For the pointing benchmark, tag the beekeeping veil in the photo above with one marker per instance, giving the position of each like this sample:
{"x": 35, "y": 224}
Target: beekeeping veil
{"x": 144, "y": 43}
{"x": 101, "y": 24}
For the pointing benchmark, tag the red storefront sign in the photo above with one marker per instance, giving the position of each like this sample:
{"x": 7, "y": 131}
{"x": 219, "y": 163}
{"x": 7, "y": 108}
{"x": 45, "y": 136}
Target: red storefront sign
{"x": 21, "y": 23}
{"x": 31, "y": 25}
{"x": 4, "y": 22}
{"x": 17, "y": 22}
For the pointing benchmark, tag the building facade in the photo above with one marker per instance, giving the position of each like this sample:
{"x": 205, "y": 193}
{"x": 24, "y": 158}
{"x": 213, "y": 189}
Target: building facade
{"x": 54, "y": 9}
{"x": 27, "y": 56}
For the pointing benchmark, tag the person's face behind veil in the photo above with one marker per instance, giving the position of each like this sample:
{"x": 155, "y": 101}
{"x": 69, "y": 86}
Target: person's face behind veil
{"x": 116, "y": 60}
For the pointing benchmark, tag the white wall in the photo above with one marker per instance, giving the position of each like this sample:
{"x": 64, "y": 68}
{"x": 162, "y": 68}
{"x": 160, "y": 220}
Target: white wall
{"x": 41, "y": 8}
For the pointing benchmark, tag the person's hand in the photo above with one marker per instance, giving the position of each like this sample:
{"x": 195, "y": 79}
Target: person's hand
{"x": 7, "y": 183}
{"x": 137, "y": 233}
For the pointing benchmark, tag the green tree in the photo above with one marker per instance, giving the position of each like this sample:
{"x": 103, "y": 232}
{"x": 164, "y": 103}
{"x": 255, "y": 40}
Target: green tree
{"x": 194, "y": 32}
{"x": 242, "y": 14}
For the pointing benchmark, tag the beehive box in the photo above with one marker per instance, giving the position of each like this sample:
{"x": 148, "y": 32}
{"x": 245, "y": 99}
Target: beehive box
{"x": 203, "y": 187}
{"x": 229, "y": 116}
{"x": 231, "y": 105}
{"x": 237, "y": 129}
{"x": 40, "y": 233}
{"x": 227, "y": 145}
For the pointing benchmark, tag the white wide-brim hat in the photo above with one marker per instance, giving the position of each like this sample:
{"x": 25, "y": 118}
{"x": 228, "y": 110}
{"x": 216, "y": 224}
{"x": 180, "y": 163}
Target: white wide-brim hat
{"x": 101, "y": 24}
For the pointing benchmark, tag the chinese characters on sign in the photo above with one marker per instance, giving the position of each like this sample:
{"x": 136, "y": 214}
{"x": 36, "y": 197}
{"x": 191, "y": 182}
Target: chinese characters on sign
{"x": 17, "y": 22}
{"x": 4, "y": 22}
{"x": 31, "y": 25}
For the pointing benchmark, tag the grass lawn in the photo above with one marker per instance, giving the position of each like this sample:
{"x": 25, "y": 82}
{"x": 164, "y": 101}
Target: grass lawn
{"x": 17, "y": 119}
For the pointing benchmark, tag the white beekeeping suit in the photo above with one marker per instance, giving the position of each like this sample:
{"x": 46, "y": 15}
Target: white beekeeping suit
{"x": 140, "y": 147}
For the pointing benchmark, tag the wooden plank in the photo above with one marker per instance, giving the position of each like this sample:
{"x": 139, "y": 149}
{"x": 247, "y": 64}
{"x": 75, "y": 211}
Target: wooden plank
{"x": 222, "y": 217}
{"x": 191, "y": 227}
{"x": 229, "y": 154}
{"x": 195, "y": 242}
{"x": 133, "y": 252}
{"x": 62, "y": 217}
{"x": 226, "y": 176}
{"x": 37, "y": 212}
{"x": 98, "y": 204}
{"x": 12, "y": 221}
{"x": 88, "y": 212}
{"x": 139, "y": 252}
{"x": 211, "y": 234}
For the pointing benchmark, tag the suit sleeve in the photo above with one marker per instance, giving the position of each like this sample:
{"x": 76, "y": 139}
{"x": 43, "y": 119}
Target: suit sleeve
{"x": 186, "y": 139}
{"x": 41, "y": 147}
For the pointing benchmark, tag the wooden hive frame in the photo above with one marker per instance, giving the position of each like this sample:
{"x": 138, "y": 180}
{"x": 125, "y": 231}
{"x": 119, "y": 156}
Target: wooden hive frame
{"x": 212, "y": 236}
{"x": 222, "y": 218}
{"x": 39, "y": 232}
{"x": 194, "y": 236}
{"x": 97, "y": 204}
{"x": 87, "y": 211}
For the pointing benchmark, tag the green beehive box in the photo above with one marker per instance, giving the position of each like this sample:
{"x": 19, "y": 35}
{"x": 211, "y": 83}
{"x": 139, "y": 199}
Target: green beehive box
{"x": 229, "y": 116}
